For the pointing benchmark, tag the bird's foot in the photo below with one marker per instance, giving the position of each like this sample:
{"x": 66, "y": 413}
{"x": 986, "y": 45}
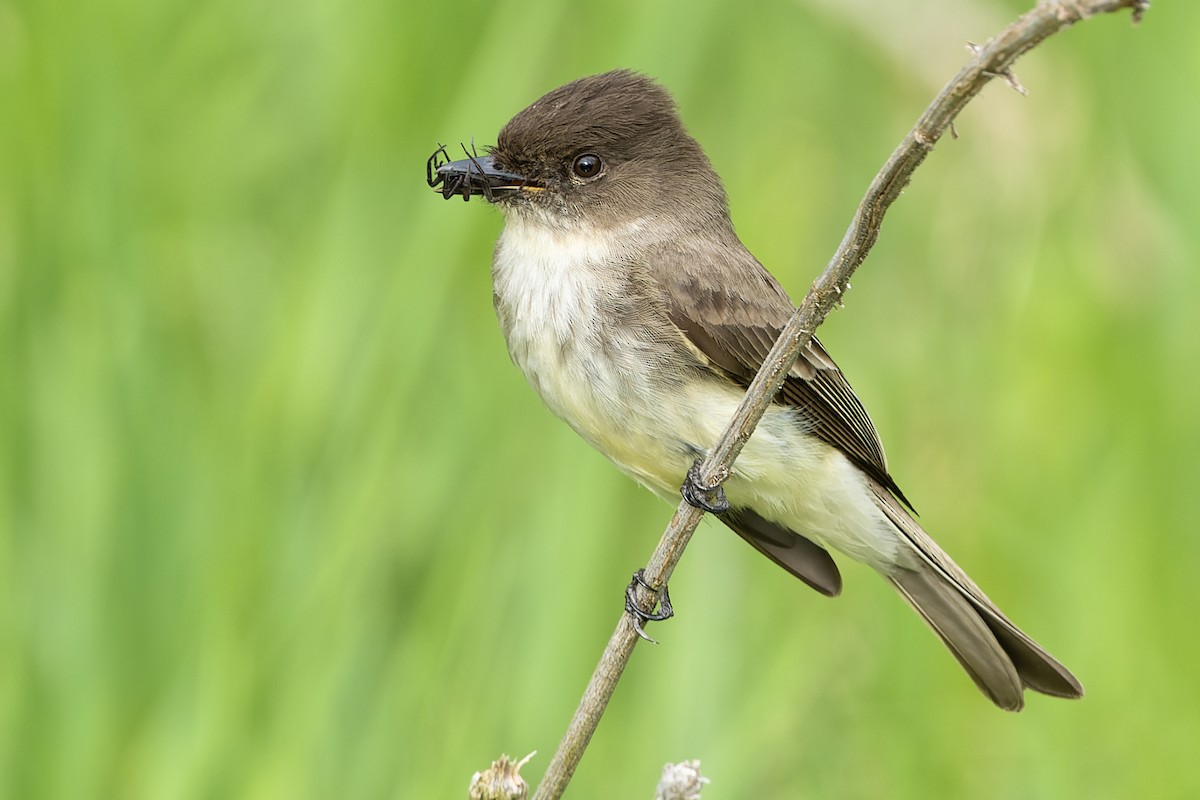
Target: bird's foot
{"x": 665, "y": 611}
{"x": 704, "y": 495}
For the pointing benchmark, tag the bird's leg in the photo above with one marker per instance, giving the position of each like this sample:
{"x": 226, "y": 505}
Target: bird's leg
{"x": 704, "y": 495}
{"x": 639, "y": 616}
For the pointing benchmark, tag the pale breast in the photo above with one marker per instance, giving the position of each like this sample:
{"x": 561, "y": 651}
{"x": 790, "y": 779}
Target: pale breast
{"x": 562, "y": 300}
{"x": 571, "y": 319}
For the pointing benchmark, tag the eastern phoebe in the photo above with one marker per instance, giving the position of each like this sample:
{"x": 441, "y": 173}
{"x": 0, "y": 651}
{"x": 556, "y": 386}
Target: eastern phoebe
{"x": 639, "y": 317}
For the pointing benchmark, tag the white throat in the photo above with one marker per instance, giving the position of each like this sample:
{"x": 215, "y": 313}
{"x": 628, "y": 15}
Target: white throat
{"x": 549, "y": 278}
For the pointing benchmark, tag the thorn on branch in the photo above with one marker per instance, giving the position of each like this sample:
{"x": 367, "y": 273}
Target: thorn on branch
{"x": 1072, "y": 11}
{"x": 1009, "y": 76}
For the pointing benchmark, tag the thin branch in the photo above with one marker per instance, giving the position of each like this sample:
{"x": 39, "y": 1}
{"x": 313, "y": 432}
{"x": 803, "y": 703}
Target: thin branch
{"x": 995, "y": 58}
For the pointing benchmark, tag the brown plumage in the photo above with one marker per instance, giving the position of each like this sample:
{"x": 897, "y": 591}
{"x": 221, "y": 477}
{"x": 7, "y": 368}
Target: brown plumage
{"x": 637, "y": 314}
{"x": 735, "y": 334}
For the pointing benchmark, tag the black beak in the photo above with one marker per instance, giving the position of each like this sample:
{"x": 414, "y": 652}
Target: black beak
{"x": 477, "y": 175}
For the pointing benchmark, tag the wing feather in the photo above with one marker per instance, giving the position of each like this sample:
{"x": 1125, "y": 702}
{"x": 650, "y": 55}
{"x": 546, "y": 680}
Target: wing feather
{"x": 732, "y": 310}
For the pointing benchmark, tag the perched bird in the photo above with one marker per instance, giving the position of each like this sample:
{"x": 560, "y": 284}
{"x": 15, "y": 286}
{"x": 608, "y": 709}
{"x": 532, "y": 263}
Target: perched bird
{"x": 639, "y": 317}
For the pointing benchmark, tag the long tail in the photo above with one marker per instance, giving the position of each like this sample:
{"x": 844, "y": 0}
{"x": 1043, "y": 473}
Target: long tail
{"x": 998, "y": 656}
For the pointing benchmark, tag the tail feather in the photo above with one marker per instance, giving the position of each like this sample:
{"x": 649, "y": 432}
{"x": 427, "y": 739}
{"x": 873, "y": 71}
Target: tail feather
{"x": 999, "y": 657}
{"x": 964, "y": 632}
{"x": 1038, "y": 669}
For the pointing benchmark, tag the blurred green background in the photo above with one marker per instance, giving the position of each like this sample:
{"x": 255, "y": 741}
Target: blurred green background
{"x": 278, "y": 518}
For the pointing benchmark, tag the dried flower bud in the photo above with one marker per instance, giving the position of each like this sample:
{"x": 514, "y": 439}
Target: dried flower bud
{"x": 681, "y": 781}
{"x": 502, "y": 781}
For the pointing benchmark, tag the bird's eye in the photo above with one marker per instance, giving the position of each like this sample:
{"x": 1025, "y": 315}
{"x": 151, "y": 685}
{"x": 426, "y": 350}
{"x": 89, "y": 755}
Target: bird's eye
{"x": 587, "y": 165}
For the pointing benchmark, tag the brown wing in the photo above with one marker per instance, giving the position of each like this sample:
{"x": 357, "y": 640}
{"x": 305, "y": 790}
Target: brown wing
{"x": 797, "y": 554}
{"x": 732, "y": 310}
